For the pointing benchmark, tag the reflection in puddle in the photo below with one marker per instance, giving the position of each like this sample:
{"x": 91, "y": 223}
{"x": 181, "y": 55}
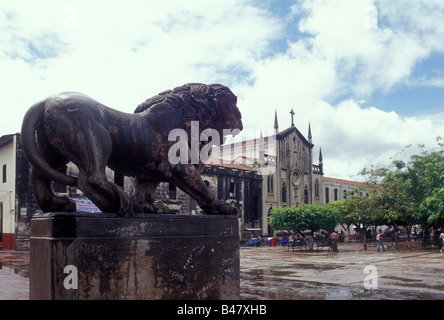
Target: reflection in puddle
{"x": 274, "y": 284}
{"x": 15, "y": 263}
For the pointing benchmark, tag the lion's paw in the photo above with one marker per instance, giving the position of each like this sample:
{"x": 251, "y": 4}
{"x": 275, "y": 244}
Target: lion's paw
{"x": 222, "y": 208}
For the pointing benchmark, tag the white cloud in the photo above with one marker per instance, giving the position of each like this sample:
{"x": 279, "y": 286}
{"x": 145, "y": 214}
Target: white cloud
{"x": 336, "y": 56}
{"x": 122, "y": 53}
{"x": 370, "y": 59}
{"x": 353, "y": 137}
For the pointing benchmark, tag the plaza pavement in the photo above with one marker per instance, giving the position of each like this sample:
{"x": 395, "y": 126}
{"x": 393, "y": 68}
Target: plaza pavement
{"x": 278, "y": 274}
{"x": 352, "y": 274}
{"x": 13, "y": 287}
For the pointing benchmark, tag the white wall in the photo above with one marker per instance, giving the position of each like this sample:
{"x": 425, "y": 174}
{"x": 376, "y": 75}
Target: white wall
{"x": 7, "y": 189}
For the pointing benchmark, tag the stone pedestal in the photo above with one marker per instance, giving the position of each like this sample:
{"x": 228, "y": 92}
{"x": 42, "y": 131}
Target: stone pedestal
{"x": 78, "y": 256}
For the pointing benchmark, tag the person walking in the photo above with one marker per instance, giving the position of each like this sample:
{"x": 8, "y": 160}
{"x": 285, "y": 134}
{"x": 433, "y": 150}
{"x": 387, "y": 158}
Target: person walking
{"x": 334, "y": 241}
{"x": 379, "y": 238}
{"x": 441, "y": 243}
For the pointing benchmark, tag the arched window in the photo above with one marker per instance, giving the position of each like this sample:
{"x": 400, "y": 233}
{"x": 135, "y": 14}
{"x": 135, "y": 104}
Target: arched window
{"x": 270, "y": 183}
{"x": 317, "y": 188}
{"x": 335, "y": 194}
{"x": 284, "y": 192}
{"x": 306, "y": 195}
{"x": 327, "y": 195}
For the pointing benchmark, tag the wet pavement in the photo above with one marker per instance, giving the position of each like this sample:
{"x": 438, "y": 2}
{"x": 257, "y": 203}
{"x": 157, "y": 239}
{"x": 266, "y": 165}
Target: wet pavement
{"x": 352, "y": 274}
{"x": 274, "y": 273}
{"x": 14, "y": 275}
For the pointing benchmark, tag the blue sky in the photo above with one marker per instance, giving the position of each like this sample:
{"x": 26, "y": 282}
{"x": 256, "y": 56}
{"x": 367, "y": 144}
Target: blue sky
{"x": 367, "y": 74}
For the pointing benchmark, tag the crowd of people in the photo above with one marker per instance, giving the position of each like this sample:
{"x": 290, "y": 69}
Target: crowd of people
{"x": 334, "y": 237}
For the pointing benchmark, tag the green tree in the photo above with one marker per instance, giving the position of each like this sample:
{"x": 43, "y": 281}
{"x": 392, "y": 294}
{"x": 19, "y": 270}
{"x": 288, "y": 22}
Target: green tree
{"x": 361, "y": 208}
{"x": 429, "y": 169}
{"x": 412, "y": 193}
{"x": 344, "y": 213}
{"x": 433, "y": 208}
{"x": 303, "y": 217}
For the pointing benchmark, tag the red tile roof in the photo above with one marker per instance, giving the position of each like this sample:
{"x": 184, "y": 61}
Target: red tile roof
{"x": 351, "y": 183}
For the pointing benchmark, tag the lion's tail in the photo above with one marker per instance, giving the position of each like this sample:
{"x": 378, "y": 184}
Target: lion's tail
{"x": 30, "y": 123}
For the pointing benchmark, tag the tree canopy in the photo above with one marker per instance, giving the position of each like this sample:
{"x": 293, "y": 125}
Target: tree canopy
{"x": 303, "y": 217}
{"x": 412, "y": 192}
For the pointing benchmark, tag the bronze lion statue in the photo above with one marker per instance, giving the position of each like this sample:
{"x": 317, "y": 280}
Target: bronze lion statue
{"x": 73, "y": 127}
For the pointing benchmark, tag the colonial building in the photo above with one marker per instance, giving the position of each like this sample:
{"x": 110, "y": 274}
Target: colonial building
{"x": 337, "y": 189}
{"x": 285, "y": 162}
{"x": 289, "y": 176}
{"x": 296, "y": 179}
{"x": 17, "y": 202}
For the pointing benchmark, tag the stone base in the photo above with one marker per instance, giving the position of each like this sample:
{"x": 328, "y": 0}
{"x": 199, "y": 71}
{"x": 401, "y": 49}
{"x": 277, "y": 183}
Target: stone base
{"x": 78, "y": 256}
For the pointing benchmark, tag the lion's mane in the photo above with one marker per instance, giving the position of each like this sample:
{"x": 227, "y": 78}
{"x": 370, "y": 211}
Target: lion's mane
{"x": 195, "y": 101}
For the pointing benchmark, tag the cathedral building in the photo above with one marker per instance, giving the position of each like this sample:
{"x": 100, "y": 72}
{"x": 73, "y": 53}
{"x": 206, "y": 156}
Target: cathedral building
{"x": 296, "y": 179}
{"x": 285, "y": 162}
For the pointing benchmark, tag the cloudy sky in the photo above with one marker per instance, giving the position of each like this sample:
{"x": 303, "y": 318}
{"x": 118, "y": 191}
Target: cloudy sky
{"x": 367, "y": 75}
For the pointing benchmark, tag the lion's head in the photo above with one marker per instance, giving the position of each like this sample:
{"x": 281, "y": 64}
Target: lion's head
{"x": 214, "y": 106}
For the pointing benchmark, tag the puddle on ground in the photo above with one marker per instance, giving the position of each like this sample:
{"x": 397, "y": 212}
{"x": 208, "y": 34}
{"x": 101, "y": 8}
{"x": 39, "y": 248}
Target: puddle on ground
{"x": 269, "y": 284}
{"x": 15, "y": 263}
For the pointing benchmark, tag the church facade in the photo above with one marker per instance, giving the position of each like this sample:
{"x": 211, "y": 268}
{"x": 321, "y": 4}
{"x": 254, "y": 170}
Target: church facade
{"x": 295, "y": 179}
{"x": 284, "y": 160}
